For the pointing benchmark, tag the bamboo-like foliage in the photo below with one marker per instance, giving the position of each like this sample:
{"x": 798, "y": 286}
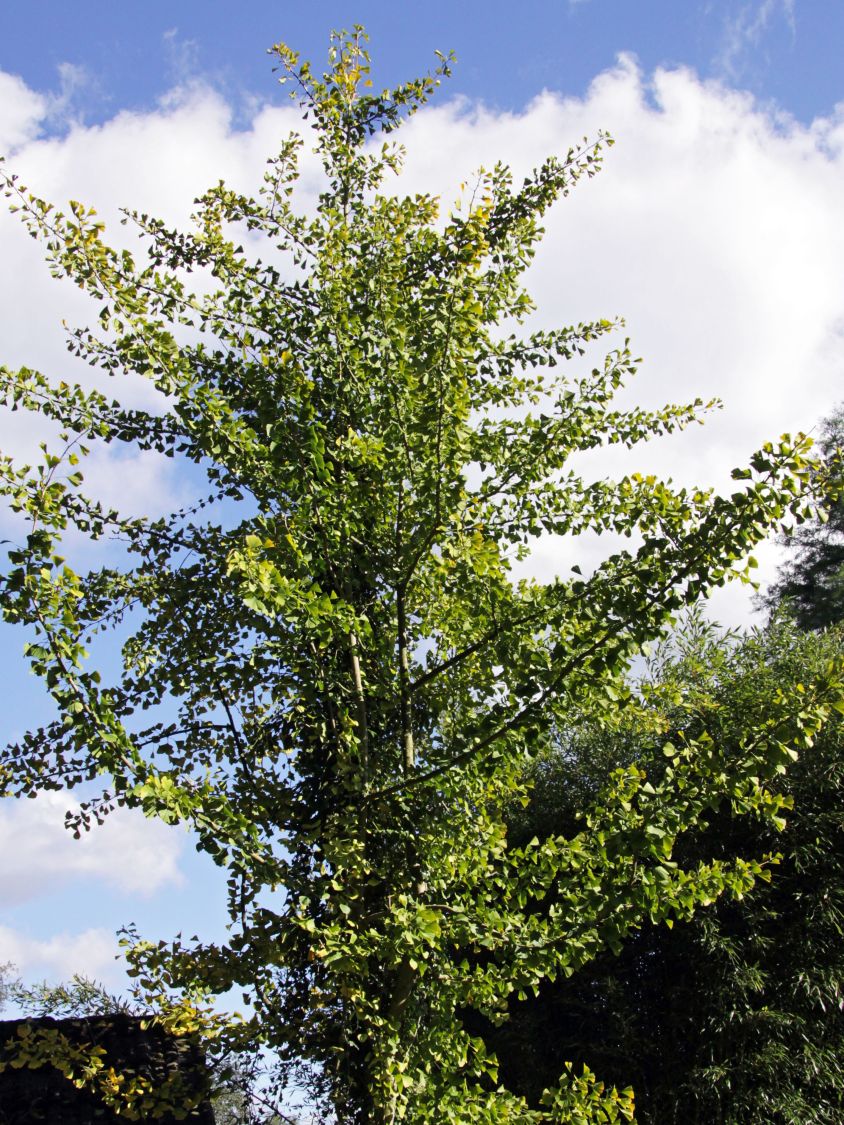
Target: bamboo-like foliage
{"x": 735, "y": 1016}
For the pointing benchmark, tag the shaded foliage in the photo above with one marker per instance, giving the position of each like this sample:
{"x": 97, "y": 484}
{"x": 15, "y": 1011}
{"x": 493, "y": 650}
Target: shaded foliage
{"x": 811, "y": 583}
{"x": 734, "y": 1016}
{"x": 239, "y": 1089}
{"x": 137, "y": 1071}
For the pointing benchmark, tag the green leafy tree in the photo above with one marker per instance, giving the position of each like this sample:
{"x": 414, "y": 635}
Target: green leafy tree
{"x": 7, "y": 983}
{"x": 80, "y": 996}
{"x": 811, "y": 583}
{"x": 328, "y": 670}
{"x": 735, "y": 1016}
{"x": 237, "y": 1085}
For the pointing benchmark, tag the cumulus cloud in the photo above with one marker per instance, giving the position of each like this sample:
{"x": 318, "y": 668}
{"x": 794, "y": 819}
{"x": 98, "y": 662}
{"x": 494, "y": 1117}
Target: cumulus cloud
{"x": 21, "y": 112}
{"x": 24, "y": 113}
{"x": 129, "y": 854}
{"x": 716, "y": 228}
{"x": 156, "y": 162}
{"x": 90, "y": 953}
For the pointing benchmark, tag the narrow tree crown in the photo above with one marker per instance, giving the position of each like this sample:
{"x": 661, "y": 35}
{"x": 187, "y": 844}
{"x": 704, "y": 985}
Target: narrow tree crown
{"x": 329, "y": 670}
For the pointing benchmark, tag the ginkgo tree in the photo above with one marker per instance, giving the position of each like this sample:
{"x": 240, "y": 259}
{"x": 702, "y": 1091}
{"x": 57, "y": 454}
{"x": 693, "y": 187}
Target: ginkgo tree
{"x": 329, "y": 670}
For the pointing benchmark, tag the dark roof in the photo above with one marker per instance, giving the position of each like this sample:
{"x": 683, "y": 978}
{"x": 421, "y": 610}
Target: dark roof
{"x": 45, "y": 1096}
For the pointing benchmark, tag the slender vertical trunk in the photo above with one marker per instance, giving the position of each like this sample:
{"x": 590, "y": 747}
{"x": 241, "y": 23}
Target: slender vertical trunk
{"x": 405, "y": 976}
{"x": 360, "y": 697}
{"x": 408, "y": 749}
{"x": 408, "y": 760}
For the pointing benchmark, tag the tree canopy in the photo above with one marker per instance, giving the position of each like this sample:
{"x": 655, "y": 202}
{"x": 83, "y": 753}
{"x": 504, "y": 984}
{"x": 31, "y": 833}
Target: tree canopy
{"x": 811, "y": 583}
{"x": 329, "y": 670}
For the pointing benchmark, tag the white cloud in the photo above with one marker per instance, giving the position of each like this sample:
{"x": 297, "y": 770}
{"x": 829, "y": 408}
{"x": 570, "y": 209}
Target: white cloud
{"x": 91, "y": 953}
{"x": 135, "y": 483}
{"x": 128, "y": 853}
{"x": 25, "y": 112}
{"x": 716, "y": 228}
{"x": 157, "y": 162}
{"x": 21, "y": 112}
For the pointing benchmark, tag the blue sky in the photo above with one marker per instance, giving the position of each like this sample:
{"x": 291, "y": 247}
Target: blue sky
{"x": 717, "y": 228}
{"x": 127, "y": 55}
